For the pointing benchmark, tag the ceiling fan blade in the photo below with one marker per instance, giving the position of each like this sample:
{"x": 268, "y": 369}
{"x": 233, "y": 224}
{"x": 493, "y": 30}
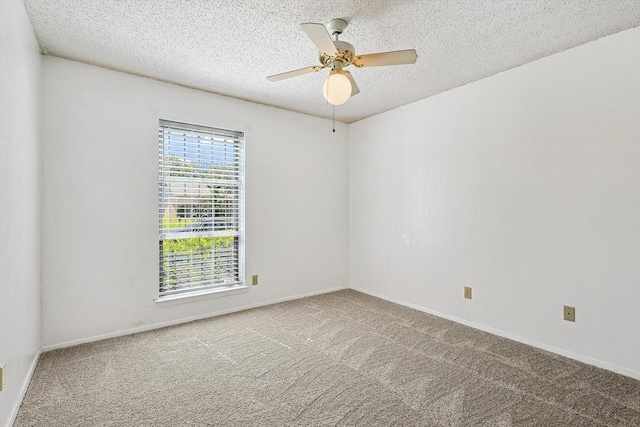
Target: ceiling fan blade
{"x": 397, "y": 57}
{"x": 320, "y": 37}
{"x": 294, "y": 73}
{"x": 354, "y": 87}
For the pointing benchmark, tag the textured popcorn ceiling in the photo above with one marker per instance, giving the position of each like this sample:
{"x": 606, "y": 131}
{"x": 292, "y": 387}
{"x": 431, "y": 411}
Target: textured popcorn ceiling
{"x": 230, "y": 47}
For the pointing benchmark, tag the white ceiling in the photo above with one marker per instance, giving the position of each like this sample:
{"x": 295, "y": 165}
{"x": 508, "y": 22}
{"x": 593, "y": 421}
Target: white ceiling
{"x": 230, "y": 47}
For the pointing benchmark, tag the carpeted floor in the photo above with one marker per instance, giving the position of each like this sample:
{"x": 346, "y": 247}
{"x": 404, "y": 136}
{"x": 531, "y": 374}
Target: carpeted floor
{"x": 342, "y": 358}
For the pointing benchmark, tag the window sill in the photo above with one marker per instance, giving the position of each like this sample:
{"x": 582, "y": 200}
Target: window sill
{"x": 200, "y": 295}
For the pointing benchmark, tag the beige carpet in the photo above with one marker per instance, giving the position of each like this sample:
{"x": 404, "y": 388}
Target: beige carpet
{"x": 337, "y": 359}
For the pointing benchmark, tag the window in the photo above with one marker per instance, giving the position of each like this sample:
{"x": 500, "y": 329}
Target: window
{"x": 201, "y": 208}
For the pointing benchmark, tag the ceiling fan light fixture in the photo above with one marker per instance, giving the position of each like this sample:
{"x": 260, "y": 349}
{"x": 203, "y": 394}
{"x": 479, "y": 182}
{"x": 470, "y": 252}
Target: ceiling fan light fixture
{"x": 337, "y": 88}
{"x": 338, "y": 54}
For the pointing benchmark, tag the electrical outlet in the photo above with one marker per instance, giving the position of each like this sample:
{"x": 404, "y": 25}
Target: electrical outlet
{"x": 467, "y": 292}
{"x": 3, "y": 375}
{"x": 254, "y": 279}
{"x": 569, "y": 313}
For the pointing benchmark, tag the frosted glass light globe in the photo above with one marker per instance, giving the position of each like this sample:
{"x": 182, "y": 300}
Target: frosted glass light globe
{"x": 337, "y": 88}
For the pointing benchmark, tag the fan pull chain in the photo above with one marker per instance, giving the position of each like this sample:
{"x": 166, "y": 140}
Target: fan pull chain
{"x": 334, "y": 119}
{"x": 334, "y": 110}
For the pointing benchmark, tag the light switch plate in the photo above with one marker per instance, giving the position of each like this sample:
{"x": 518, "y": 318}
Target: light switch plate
{"x": 254, "y": 279}
{"x": 569, "y": 313}
{"x": 3, "y": 375}
{"x": 467, "y": 292}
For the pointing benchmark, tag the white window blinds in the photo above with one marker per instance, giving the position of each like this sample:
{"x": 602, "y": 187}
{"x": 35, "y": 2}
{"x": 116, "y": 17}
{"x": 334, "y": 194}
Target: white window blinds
{"x": 201, "y": 207}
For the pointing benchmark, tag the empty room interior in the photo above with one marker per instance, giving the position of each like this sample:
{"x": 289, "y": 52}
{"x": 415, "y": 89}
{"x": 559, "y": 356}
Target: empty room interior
{"x": 283, "y": 213}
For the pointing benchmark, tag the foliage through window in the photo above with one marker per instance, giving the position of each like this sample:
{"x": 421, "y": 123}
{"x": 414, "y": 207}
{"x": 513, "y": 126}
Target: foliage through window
{"x": 201, "y": 206}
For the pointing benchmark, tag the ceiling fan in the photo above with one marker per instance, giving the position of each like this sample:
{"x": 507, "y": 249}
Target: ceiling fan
{"x": 335, "y": 54}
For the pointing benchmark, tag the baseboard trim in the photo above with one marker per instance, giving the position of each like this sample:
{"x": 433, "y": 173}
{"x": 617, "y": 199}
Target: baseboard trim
{"x": 184, "y": 320}
{"x": 562, "y": 352}
{"x": 23, "y": 391}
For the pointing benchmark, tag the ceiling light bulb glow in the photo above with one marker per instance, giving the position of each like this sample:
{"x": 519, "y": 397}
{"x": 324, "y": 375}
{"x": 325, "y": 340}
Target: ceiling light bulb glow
{"x": 337, "y": 88}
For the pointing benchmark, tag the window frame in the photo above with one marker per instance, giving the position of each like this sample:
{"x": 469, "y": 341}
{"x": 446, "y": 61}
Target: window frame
{"x": 237, "y": 142}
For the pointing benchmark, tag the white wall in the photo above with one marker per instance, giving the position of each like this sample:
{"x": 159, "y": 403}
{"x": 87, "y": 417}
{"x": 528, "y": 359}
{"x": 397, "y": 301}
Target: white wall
{"x": 100, "y": 155}
{"x": 20, "y": 87}
{"x": 524, "y": 186}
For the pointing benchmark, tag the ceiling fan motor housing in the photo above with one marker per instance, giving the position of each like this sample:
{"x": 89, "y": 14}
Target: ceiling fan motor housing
{"x": 346, "y": 54}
